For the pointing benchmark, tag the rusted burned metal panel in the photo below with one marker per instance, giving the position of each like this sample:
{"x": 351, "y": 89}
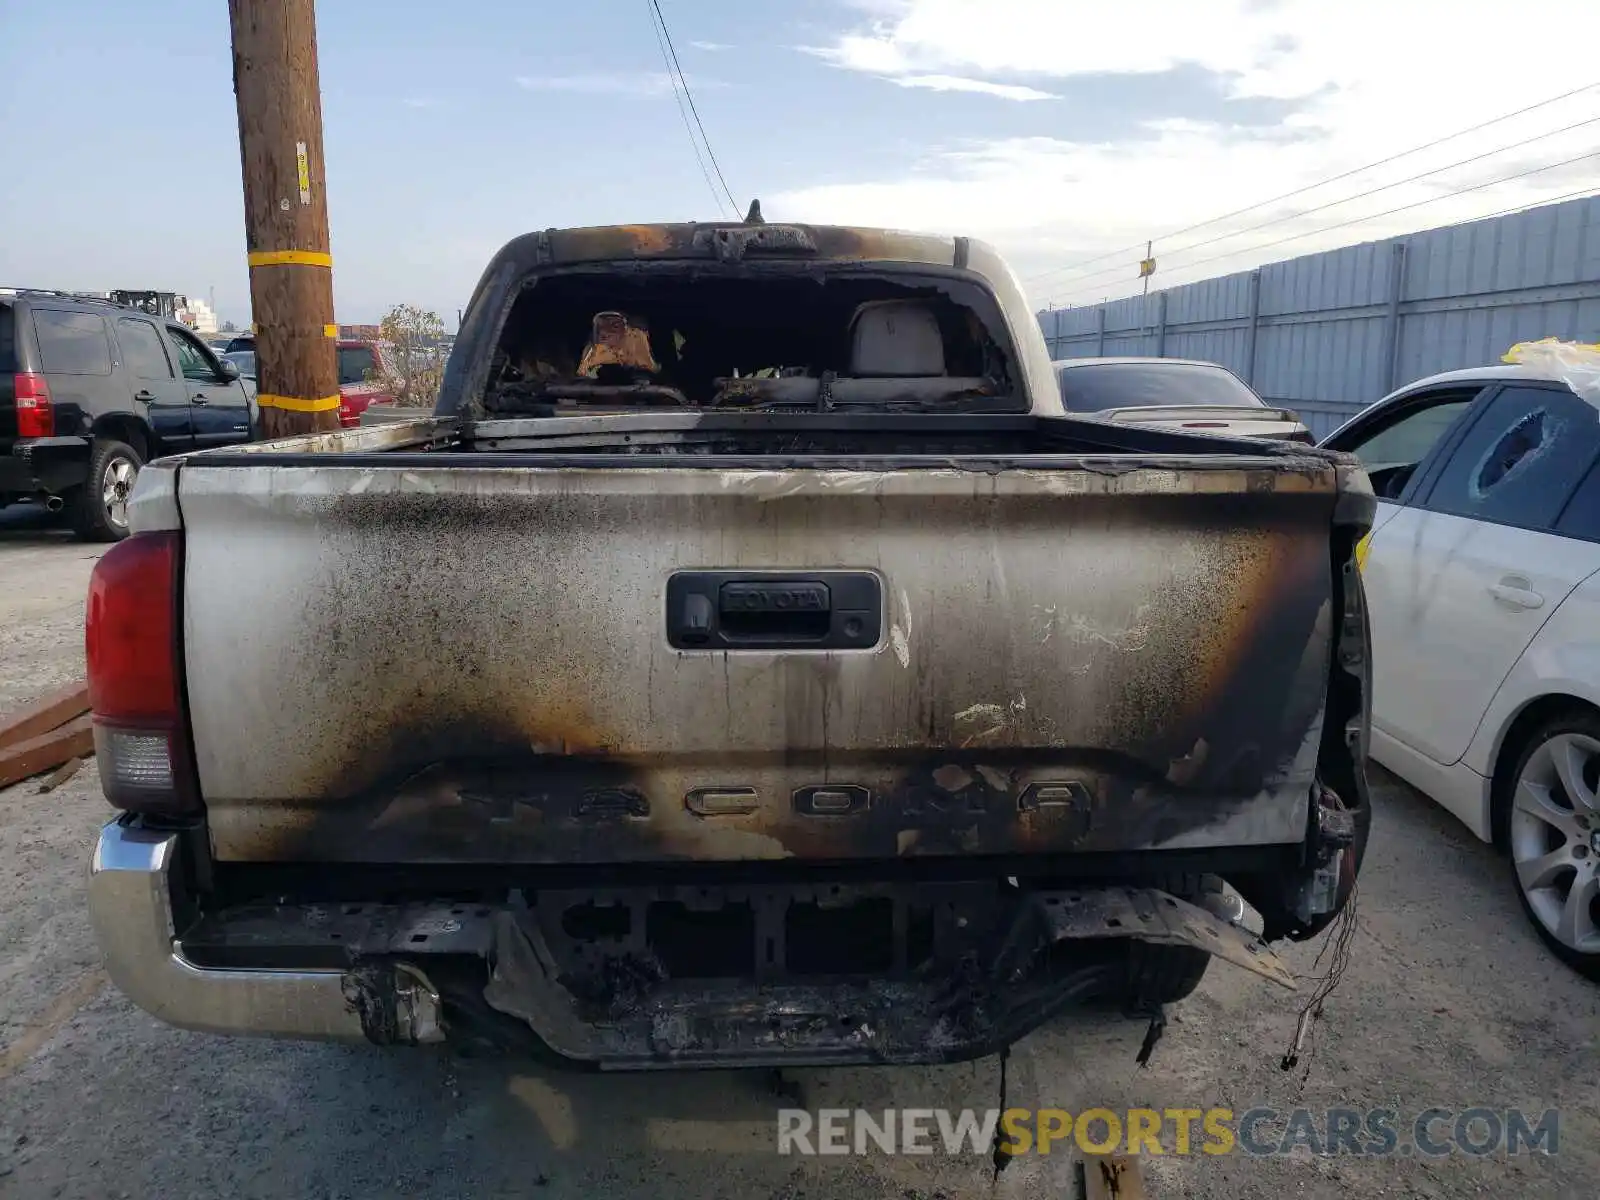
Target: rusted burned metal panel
{"x": 638, "y": 1021}
{"x": 1155, "y": 916}
{"x": 470, "y": 665}
{"x": 610, "y": 243}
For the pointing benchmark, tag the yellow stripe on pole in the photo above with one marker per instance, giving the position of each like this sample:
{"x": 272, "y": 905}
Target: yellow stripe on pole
{"x": 296, "y": 404}
{"x": 290, "y": 258}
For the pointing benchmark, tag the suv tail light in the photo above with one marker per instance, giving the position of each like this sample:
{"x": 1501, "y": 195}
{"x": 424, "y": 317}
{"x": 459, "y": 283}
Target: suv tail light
{"x": 141, "y": 730}
{"x": 36, "y": 415}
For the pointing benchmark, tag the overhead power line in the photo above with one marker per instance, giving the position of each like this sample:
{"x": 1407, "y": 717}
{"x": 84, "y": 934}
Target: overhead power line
{"x": 1589, "y": 192}
{"x": 1477, "y": 187}
{"x": 1386, "y": 187}
{"x": 1306, "y": 212}
{"x": 689, "y": 96}
{"x": 683, "y": 112}
{"x": 1382, "y": 162}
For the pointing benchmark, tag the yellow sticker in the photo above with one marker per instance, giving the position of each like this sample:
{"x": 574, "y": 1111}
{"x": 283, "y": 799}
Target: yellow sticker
{"x": 1362, "y": 547}
{"x": 303, "y": 170}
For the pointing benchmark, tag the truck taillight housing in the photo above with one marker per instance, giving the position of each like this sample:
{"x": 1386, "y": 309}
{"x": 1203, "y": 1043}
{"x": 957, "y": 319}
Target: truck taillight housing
{"x": 132, "y": 644}
{"x": 36, "y": 414}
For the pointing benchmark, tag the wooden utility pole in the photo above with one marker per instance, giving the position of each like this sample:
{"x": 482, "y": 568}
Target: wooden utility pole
{"x": 279, "y": 97}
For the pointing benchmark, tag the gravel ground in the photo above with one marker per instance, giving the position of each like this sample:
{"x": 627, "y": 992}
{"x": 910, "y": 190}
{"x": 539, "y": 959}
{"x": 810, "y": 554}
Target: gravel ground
{"x": 43, "y": 573}
{"x": 1449, "y": 1002}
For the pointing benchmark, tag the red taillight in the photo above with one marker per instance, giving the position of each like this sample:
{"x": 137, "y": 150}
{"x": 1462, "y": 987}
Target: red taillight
{"x": 36, "y": 415}
{"x": 132, "y": 648}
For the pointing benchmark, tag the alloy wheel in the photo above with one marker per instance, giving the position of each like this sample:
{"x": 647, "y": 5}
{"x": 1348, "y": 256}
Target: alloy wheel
{"x": 1555, "y": 838}
{"x": 116, "y": 487}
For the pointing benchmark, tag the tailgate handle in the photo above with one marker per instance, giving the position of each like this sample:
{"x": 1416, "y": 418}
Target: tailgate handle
{"x": 764, "y": 610}
{"x": 727, "y": 610}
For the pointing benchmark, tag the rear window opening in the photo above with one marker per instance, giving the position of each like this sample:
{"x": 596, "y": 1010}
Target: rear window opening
{"x": 8, "y": 340}
{"x": 357, "y": 364}
{"x": 1100, "y": 387}
{"x": 768, "y": 340}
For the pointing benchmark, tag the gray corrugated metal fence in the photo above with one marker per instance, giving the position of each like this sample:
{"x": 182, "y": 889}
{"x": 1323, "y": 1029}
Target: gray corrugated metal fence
{"x": 1327, "y": 334}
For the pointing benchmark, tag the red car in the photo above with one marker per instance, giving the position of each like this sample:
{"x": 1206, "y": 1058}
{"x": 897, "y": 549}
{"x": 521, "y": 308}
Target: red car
{"x": 361, "y": 363}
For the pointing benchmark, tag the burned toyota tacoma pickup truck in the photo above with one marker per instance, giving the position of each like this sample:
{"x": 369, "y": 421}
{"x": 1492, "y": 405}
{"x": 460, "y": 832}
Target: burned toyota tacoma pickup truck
{"x": 747, "y": 663}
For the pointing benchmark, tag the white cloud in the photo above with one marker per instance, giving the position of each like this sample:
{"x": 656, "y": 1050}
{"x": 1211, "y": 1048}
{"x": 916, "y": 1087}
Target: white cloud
{"x": 711, "y": 47}
{"x": 957, "y": 83}
{"x": 1372, "y": 79}
{"x": 420, "y": 102}
{"x": 611, "y": 83}
{"x": 1048, "y": 38}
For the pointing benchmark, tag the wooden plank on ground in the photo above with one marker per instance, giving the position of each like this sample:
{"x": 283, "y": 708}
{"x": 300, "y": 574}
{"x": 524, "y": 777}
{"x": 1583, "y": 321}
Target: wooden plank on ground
{"x": 1113, "y": 1177}
{"x": 60, "y": 775}
{"x": 43, "y": 715}
{"x": 23, "y": 760}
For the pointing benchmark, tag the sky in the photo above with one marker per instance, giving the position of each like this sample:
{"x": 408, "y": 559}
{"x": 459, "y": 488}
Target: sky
{"x": 1059, "y": 130}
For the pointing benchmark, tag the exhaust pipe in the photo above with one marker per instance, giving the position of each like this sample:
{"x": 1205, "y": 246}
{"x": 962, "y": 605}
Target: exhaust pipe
{"x": 54, "y": 504}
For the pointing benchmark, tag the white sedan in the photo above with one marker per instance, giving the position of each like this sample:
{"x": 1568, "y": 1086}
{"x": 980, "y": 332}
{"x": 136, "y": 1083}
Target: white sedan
{"x": 1482, "y": 575}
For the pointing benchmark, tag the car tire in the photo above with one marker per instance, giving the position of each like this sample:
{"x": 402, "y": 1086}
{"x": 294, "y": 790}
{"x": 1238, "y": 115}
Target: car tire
{"x": 1160, "y": 974}
{"x": 1553, "y": 836}
{"x": 99, "y": 509}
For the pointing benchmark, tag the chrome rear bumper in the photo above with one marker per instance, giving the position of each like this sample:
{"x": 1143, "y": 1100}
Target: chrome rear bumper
{"x": 131, "y": 885}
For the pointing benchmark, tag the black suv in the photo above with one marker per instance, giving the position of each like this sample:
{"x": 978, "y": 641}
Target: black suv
{"x": 90, "y": 391}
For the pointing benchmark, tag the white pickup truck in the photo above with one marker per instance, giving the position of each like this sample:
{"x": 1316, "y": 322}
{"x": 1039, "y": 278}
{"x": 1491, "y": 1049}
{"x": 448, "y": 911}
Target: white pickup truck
{"x": 749, "y": 662}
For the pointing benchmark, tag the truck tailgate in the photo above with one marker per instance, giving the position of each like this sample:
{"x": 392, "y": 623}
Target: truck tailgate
{"x": 471, "y": 664}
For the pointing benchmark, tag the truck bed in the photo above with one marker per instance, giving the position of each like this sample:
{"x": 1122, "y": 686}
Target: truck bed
{"x": 442, "y": 643}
